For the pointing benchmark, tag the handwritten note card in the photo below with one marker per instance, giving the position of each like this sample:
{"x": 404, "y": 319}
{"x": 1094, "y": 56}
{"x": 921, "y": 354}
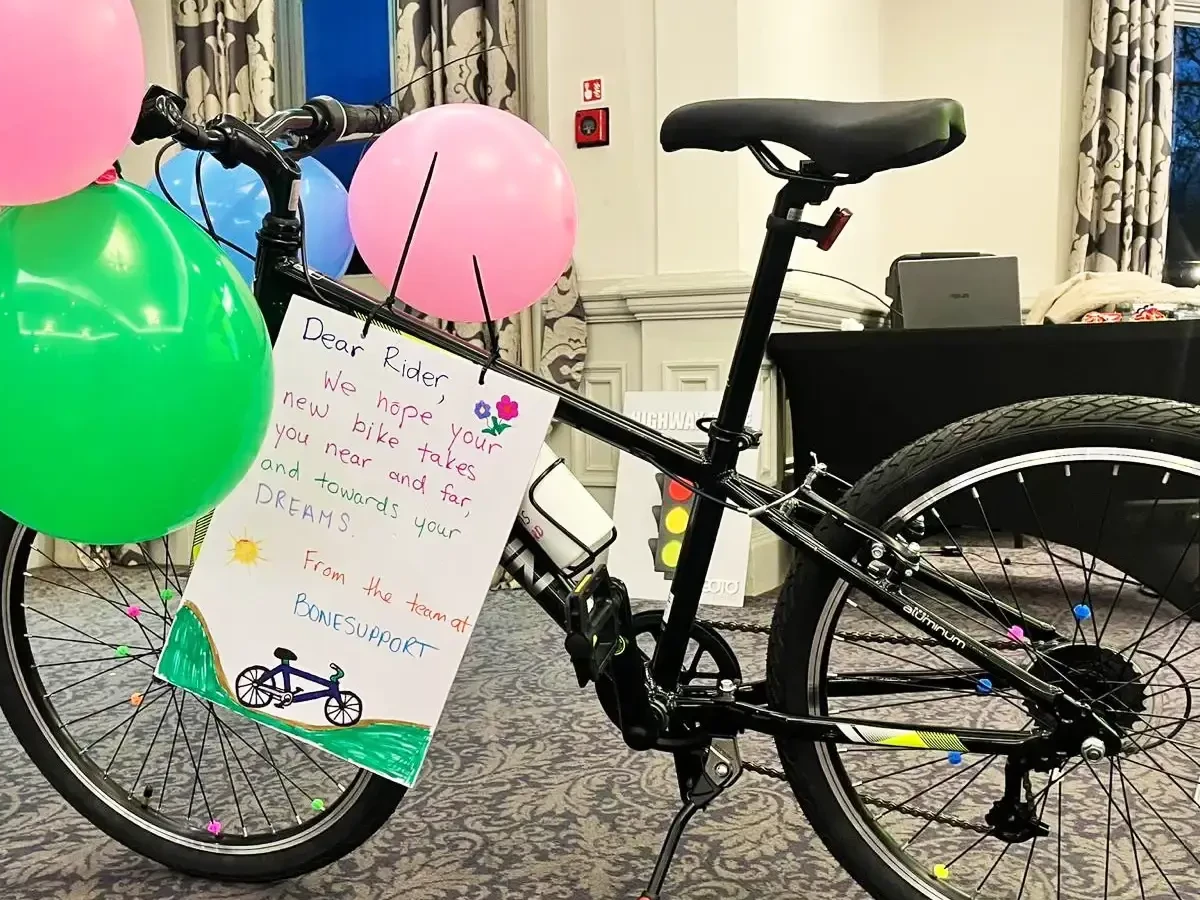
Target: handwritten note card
{"x": 338, "y": 585}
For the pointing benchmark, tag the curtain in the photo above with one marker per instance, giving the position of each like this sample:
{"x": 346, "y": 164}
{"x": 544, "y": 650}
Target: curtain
{"x": 550, "y": 337}
{"x": 226, "y": 57}
{"x": 226, "y": 51}
{"x": 1125, "y": 145}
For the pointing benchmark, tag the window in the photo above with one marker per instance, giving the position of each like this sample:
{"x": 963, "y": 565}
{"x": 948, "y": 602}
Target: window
{"x": 343, "y": 49}
{"x": 1183, "y": 219}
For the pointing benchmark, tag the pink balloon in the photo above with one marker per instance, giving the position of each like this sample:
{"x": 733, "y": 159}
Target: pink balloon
{"x": 499, "y": 191}
{"x": 71, "y": 84}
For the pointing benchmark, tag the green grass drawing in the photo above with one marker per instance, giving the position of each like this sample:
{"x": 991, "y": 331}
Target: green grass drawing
{"x": 393, "y": 749}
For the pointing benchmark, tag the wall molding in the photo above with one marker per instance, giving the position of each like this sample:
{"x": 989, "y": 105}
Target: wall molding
{"x": 593, "y": 462}
{"x": 692, "y": 375}
{"x": 719, "y": 295}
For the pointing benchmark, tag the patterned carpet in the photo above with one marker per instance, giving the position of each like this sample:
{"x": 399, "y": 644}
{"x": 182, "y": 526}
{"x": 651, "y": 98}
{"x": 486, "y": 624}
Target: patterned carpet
{"x": 527, "y": 792}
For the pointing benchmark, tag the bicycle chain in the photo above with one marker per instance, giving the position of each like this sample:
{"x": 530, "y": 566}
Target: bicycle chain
{"x": 868, "y": 637}
{"x": 871, "y": 637}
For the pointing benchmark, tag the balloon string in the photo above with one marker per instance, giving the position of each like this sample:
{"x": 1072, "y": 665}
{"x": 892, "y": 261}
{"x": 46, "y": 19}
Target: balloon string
{"x": 442, "y": 68}
{"x": 390, "y": 301}
{"x": 368, "y": 144}
{"x": 489, "y": 324}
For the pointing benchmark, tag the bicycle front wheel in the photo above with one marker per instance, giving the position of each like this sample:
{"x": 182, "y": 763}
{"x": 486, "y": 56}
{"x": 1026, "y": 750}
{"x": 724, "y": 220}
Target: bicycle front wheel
{"x": 1081, "y": 514}
{"x": 172, "y": 777}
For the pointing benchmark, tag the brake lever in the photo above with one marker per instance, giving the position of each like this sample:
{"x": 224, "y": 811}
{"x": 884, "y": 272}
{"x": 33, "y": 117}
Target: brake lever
{"x": 161, "y": 115}
{"x": 240, "y": 143}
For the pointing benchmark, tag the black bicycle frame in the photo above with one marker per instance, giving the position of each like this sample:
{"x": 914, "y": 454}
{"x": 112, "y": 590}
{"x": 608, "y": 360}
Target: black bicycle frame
{"x": 279, "y": 277}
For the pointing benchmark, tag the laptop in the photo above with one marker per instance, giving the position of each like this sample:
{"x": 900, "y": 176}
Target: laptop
{"x": 955, "y": 291}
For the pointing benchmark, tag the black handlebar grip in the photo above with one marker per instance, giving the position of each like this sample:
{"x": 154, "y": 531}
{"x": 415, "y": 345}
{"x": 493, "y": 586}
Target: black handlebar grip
{"x": 348, "y": 120}
{"x": 369, "y": 120}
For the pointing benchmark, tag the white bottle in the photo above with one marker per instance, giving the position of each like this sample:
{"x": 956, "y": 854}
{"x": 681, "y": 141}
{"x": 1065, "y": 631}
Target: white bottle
{"x": 564, "y": 500}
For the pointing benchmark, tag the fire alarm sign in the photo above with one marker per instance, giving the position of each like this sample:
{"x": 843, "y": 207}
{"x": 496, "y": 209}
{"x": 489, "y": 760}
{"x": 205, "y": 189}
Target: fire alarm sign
{"x": 593, "y": 90}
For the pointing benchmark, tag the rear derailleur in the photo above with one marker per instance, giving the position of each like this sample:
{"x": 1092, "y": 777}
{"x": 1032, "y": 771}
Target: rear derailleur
{"x": 1014, "y": 817}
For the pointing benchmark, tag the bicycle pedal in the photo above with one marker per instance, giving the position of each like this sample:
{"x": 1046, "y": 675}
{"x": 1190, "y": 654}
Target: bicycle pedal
{"x": 595, "y": 612}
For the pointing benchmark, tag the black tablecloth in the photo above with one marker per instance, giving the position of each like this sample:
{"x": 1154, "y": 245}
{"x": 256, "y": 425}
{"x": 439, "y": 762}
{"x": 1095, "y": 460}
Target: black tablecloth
{"x": 856, "y": 397}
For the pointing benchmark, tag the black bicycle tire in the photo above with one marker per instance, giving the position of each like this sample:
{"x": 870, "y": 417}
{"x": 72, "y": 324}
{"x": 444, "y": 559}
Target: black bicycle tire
{"x": 255, "y": 683}
{"x": 1136, "y": 423}
{"x": 369, "y": 811}
{"x": 344, "y": 706}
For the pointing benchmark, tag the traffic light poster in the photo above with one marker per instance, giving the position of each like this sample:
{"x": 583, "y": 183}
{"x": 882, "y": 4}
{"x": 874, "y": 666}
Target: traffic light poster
{"x": 337, "y": 586}
{"x": 652, "y": 511}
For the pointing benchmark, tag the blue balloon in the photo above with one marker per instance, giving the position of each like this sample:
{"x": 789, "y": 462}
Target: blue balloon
{"x": 237, "y": 201}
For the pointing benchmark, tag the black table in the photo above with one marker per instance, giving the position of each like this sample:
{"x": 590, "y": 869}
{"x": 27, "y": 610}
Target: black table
{"x": 858, "y": 396}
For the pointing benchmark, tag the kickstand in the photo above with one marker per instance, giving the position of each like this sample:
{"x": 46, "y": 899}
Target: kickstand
{"x": 722, "y": 767}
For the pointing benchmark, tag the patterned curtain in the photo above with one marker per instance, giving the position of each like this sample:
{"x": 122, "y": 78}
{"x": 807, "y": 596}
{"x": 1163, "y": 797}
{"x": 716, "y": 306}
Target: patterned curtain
{"x": 226, "y": 57}
{"x": 550, "y": 337}
{"x": 226, "y": 65}
{"x": 1125, "y": 150}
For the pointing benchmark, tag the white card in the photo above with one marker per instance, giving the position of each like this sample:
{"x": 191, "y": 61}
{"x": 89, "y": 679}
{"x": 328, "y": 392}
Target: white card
{"x": 339, "y": 583}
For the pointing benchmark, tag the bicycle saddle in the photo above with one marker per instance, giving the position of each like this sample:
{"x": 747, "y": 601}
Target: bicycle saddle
{"x": 283, "y": 654}
{"x": 854, "y": 139}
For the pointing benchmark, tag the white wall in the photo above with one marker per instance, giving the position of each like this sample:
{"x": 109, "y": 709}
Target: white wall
{"x": 615, "y": 184}
{"x": 820, "y": 50}
{"x": 1016, "y": 66}
{"x": 158, "y": 45}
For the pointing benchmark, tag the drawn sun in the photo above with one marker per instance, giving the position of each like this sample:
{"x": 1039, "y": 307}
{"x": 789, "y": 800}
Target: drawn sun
{"x": 246, "y": 551}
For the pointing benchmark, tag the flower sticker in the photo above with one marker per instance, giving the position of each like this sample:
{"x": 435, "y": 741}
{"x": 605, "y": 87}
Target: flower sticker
{"x": 506, "y": 410}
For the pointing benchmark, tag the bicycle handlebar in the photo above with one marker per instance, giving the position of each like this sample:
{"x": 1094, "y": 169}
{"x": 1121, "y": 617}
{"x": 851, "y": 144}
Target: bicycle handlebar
{"x": 318, "y": 123}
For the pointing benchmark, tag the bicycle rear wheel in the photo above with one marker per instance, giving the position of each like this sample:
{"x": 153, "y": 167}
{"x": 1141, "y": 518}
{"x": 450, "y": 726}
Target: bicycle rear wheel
{"x": 172, "y": 777}
{"x": 1081, "y": 512}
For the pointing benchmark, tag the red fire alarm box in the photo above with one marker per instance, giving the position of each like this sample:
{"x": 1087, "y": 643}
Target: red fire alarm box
{"x": 591, "y": 127}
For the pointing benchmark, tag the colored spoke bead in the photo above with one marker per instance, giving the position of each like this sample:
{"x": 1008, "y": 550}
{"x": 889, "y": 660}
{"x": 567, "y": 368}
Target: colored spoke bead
{"x": 122, "y": 651}
{"x": 1083, "y": 612}
{"x": 941, "y": 873}
{"x": 166, "y": 594}
{"x": 133, "y": 611}
{"x": 318, "y": 804}
{"x": 213, "y": 827}
{"x": 954, "y": 757}
{"x": 136, "y": 699}
{"x": 984, "y": 686}
{"x": 1017, "y": 634}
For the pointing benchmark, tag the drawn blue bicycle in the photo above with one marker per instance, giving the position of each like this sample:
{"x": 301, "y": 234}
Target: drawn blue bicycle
{"x": 257, "y": 686}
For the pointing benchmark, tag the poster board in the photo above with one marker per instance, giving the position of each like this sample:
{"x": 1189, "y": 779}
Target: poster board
{"x": 338, "y": 585}
{"x": 642, "y": 505}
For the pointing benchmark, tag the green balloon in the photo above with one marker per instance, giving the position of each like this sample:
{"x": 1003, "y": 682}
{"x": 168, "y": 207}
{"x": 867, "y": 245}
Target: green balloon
{"x": 135, "y": 364}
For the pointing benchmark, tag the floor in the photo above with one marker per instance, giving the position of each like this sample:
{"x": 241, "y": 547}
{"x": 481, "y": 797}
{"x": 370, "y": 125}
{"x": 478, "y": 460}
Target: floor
{"x": 527, "y": 792}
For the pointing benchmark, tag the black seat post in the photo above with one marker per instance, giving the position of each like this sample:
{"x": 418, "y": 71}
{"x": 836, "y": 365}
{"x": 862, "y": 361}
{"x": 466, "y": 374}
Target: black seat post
{"x": 725, "y": 439}
{"x": 783, "y": 227}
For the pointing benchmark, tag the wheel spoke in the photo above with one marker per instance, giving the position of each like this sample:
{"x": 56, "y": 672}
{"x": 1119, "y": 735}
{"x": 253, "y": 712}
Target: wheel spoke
{"x": 1132, "y": 665}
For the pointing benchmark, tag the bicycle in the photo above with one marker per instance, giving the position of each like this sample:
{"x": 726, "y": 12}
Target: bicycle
{"x": 255, "y": 687}
{"x": 1066, "y": 713}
